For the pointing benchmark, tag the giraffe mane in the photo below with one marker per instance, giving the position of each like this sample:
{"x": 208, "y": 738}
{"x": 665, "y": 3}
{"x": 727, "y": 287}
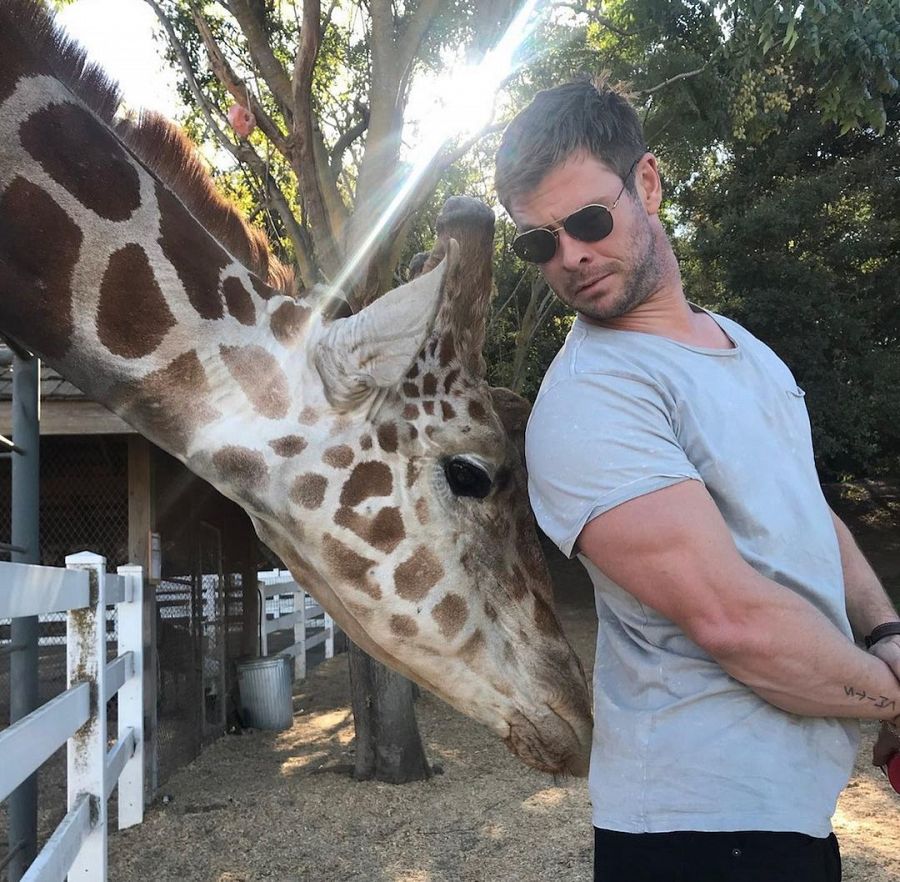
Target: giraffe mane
{"x": 158, "y": 143}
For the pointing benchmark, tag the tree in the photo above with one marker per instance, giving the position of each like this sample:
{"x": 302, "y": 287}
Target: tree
{"x": 795, "y": 236}
{"x": 328, "y": 90}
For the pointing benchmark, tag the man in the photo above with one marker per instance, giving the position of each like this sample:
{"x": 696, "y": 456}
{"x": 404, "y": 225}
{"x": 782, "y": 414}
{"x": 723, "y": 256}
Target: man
{"x": 671, "y": 450}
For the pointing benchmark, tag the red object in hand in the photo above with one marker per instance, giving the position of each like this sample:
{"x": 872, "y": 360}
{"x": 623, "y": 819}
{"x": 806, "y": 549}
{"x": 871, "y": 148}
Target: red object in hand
{"x": 242, "y": 121}
{"x": 893, "y": 771}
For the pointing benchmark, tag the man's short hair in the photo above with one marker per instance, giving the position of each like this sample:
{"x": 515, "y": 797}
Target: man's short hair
{"x": 587, "y": 115}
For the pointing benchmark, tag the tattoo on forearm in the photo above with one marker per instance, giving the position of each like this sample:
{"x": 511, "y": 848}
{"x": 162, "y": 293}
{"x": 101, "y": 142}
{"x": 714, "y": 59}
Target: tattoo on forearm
{"x": 881, "y": 702}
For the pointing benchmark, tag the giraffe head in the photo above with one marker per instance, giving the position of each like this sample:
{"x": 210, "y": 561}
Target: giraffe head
{"x": 368, "y": 449}
{"x": 407, "y": 505}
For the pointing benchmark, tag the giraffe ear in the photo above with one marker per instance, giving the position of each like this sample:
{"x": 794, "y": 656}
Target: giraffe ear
{"x": 375, "y": 348}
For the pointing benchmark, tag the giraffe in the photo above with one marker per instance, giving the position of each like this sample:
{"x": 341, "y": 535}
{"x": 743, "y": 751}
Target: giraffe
{"x": 367, "y": 449}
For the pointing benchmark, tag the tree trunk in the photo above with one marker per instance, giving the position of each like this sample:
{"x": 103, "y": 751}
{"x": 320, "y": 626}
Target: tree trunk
{"x": 388, "y": 745}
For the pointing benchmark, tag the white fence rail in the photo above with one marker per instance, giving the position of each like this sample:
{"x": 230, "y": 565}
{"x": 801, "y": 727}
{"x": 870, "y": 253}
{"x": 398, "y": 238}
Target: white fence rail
{"x": 291, "y": 607}
{"x": 77, "y": 718}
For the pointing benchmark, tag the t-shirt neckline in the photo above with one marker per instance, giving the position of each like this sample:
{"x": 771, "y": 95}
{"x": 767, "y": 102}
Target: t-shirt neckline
{"x": 702, "y": 350}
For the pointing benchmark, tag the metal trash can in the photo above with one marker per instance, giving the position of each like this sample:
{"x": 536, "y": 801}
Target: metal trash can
{"x": 264, "y": 686}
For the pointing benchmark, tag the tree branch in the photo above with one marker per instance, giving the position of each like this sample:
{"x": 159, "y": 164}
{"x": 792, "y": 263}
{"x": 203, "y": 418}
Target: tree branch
{"x": 242, "y": 152}
{"x": 345, "y": 140}
{"x": 272, "y": 70}
{"x": 237, "y": 87}
{"x": 675, "y": 79}
{"x": 415, "y": 30}
{"x": 310, "y": 152}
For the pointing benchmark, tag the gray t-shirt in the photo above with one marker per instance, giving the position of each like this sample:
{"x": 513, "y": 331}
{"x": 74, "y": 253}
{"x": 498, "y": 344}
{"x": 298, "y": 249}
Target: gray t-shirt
{"x": 678, "y": 743}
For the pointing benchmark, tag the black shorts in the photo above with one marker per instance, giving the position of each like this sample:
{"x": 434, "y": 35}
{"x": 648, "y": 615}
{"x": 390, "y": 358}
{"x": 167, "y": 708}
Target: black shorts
{"x": 714, "y": 857}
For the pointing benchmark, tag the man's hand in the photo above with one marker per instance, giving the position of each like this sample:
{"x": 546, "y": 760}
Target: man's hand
{"x": 888, "y": 742}
{"x": 886, "y": 746}
{"x": 888, "y": 650}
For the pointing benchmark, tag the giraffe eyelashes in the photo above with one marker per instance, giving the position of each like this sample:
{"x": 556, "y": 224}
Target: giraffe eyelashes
{"x": 467, "y": 478}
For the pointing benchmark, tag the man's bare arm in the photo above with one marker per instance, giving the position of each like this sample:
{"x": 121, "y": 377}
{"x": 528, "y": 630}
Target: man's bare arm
{"x": 672, "y": 550}
{"x": 867, "y": 602}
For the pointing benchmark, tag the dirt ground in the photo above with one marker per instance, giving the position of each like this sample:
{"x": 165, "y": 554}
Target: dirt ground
{"x": 282, "y": 806}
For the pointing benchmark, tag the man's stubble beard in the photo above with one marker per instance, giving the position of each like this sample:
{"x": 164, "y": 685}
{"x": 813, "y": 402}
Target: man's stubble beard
{"x": 639, "y": 280}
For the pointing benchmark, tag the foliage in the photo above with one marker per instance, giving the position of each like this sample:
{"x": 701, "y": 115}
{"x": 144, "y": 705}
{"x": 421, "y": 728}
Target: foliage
{"x": 796, "y": 238}
{"x": 765, "y": 117}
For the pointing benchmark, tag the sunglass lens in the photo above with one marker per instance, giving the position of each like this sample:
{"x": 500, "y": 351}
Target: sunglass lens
{"x": 590, "y": 224}
{"x": 535, "y": 246}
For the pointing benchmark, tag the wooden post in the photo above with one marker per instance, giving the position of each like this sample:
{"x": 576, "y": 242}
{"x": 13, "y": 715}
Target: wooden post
{"x": 131, "y": 699}
{"x": 86, "y": 751}
{"x": 249, "y": 595}
{"x": 141, "y": 522}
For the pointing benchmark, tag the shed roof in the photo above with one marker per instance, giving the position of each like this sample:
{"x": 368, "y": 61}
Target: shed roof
{"x": 65, "y": 409}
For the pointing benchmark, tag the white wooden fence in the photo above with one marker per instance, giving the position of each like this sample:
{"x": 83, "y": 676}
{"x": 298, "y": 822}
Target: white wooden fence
{"x": 278, "y": 585}
{"x": 77, "y": 717}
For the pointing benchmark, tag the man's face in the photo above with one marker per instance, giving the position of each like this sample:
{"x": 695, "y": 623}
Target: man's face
{"x": 605, "y": 279}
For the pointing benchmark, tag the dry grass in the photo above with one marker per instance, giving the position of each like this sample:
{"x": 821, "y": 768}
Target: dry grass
{"x": 282, "y": 807}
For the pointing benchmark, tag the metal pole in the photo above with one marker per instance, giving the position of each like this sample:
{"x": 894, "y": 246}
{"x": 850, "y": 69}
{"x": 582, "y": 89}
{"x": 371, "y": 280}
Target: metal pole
{"x": 23, "y": 664}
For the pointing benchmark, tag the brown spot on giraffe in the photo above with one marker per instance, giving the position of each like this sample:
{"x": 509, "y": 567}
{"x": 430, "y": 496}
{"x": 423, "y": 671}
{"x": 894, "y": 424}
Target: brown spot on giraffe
{"x": 450, "y": 379}
{"x": 339, "y": 456}
{"x": 450, "y": 614}
{"x": 385, "y": 531}
{"x": 404, "y": 626}
{"x": 197, "y": 258}
{"x": 168, "y": 405}
{"x": 288, "y": 445}
{"x": 413, "y": 432}
{"x": 469, "y": 651}
{"x": 367, "y": 479}
{"x": 517, "y": 585}
{"x": 448, "y": 350}
{"x": 128, "y": 289}
{"x": 544, "y": 618}
{"x": 365, "y": 442}
{"x": 241, "y": 467}
{"x": 43, "y": 273}
{"x": 387, "y": 437}
{"x": 428, "y": 407}
{"x": 429, "y": 384}
{"x": 447, "y": 411}
{"x": 239, "y": 301}
{"x": 417, "y": 575}
{"x": 422, "y": 511}
{"x": 260, "y": 377}
{"x": 77, "y": 153}
{"x": 288, "y": 321}
{"x": 477, "y": 411}
{"x": 349, "y": 566}
{"x": 413, "y": 372}
{"x": 262, "y": 289}
{"x": 309, "y": 490}
{"x": 410, "y": 390}
{"x": 308, "y": 416}
{"x": 410, "y": 412}
{"x": 18, "y": 61}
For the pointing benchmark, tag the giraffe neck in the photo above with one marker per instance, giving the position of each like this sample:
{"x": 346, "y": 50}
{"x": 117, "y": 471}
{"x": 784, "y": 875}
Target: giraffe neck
{"x": 108, "y": 275}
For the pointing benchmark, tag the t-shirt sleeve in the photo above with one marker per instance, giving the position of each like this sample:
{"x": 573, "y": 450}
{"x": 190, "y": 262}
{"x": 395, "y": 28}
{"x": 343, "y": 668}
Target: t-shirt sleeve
{"x": 593, "y": 442}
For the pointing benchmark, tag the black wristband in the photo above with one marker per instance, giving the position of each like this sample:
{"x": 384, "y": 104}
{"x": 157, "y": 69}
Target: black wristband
{"x": 888, "y": 629}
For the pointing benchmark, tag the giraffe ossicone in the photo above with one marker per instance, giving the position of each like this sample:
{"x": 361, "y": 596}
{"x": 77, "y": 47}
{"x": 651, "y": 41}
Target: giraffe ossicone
{"x": 367, "y": 449}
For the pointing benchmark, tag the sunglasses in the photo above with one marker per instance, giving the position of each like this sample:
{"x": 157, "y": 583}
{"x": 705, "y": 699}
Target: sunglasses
{"x": 589, "y": 224}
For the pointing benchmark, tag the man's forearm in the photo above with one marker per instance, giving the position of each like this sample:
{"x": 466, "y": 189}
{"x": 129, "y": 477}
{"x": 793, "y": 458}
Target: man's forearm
{"x": 867, "y": 602}
{"x": 791, "y": 655}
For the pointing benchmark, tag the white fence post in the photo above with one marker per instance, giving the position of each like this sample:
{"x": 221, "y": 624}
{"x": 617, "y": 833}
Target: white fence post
{"x": 263, "y": 631}
{"x": 299, "y": 632}
{"x": 131, "y": 697}
{"x": 86, "y": 750}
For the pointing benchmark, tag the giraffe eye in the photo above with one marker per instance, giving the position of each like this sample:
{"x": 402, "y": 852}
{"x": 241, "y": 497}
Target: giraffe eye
{"x": 467, "y": 478}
